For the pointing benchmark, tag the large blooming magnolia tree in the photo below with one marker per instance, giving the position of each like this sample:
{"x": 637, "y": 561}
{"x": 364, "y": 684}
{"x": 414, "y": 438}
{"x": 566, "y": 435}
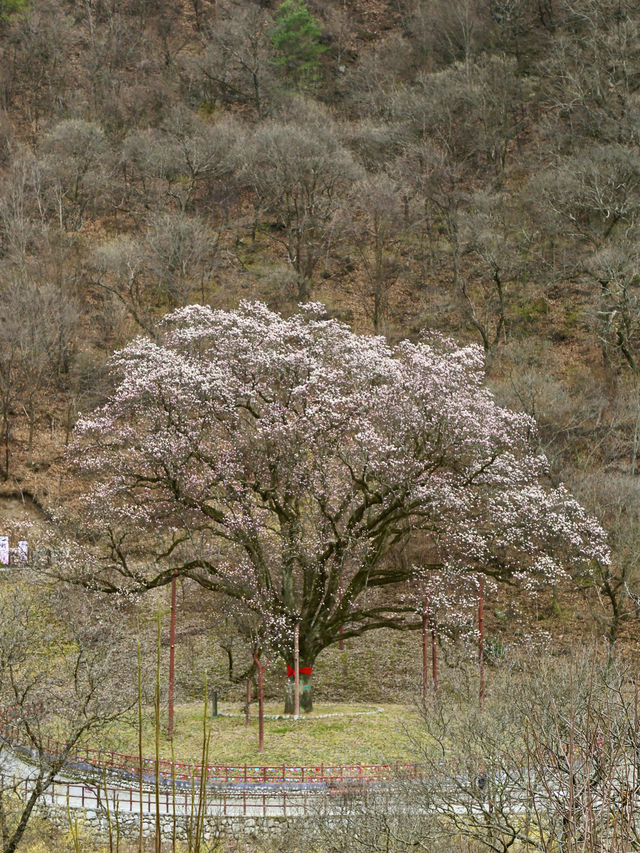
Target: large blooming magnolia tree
{"x": 290, "y": 463}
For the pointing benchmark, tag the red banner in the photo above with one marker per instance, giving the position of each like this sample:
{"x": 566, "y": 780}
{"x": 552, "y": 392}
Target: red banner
{"x": 304, "y": 670}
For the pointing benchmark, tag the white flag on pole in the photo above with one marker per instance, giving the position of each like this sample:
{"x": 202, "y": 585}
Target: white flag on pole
{"x": 4, "y": 550}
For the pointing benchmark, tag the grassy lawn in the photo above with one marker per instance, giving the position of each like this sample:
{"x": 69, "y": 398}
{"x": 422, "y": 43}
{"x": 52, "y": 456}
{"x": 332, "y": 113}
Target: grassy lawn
{"x": 366, "y": 734}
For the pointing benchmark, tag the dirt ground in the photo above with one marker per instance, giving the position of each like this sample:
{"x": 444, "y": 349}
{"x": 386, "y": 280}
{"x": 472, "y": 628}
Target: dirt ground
{"x": 17, "y": 511}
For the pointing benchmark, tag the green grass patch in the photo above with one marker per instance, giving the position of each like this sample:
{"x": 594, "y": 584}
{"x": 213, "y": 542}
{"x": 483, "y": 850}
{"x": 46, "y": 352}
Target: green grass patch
{"x": 366, "y": 734}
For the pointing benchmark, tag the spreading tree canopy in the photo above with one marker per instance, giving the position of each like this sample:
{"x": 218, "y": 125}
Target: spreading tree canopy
{"x": 290, "y": 463}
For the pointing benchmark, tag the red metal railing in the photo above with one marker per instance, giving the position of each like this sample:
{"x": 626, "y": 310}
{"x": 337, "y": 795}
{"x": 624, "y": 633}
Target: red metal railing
{"x": 99, "y": 759}
{"x": 132, "y": 801}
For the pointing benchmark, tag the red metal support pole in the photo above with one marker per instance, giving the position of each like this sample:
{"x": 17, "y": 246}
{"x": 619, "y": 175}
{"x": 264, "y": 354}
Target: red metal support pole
{"x": 172, "y": 654}
{"x": 340, "y": 594}
{"x": 434, "y": 655}
{"x": 425, "y": 652}
{"x": 261, "y": 670}
{"x": 481, "y": 637}
{"x": 296, "y": 667}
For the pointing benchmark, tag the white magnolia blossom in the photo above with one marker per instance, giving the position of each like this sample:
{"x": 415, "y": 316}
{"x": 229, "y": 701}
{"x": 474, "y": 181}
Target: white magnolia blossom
{"x": 285, "y": 462}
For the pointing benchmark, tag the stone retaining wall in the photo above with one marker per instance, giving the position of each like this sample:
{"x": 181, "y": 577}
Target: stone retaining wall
{"x": 218, "y": 826}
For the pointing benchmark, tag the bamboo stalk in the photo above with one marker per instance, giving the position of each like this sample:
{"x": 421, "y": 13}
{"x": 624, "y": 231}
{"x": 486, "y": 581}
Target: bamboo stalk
{"x": 425, "y": 652}
{"x": 73, "y": 826}
{"x": 202, "y": 802}
{"x": 158, "y": 839}
{"x": 296, "y": 671}
{"x": 106, "y": 805}
{"x": 172, "y": 655}
{"x": 173, "y": 797}
{"x": 140, "y": 779}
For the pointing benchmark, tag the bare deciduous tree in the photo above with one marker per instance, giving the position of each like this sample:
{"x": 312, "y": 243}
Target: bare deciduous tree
{"x": 591, "y": 72}
{"x": 616, "y": 602}
{"x": 193, "y": 159}
{"x": 298, "y": 171}
{"x": 76, "y": 168}
{"x": 493, "y": 247}
{"x": 61, "y": 676}
{"x": 36, "y": 325}
{"x": 376, "y": 228}
{"x": 118, "y": 265}
{"x": 180, "y": 252}
{"x": 235, "y": 66}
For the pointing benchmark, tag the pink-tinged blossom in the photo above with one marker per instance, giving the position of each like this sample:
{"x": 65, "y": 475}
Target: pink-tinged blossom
{"x": 286, "y": 463}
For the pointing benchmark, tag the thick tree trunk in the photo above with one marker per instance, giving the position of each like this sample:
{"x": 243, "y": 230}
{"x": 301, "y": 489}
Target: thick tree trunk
{"x": 304, "y": 289}
{"x": 306, "y": 694}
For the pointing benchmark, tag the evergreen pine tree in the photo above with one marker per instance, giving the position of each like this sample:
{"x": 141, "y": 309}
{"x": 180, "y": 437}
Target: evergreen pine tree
{"x": 296, "y": 38}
